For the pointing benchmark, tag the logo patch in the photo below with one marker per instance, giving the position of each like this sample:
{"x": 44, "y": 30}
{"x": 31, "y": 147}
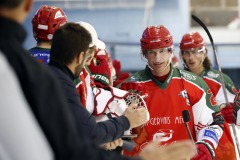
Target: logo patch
{"x": 210, "y": 134}
{"x": 188, "y": 76}
{"x": 184, "y": 94}
{"x": 212, "y": 75}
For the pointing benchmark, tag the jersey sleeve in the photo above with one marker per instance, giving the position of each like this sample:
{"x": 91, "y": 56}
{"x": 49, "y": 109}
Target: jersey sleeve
{"x": 230, "y": 91}
{"x": 208, "y": 121}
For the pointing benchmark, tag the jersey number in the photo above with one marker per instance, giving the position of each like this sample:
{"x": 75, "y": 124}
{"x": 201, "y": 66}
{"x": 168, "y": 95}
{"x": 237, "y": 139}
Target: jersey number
{"x": 212, "y": 99}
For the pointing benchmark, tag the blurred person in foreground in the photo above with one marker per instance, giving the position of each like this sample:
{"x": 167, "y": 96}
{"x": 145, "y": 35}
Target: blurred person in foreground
{"x": 19, "y": 134}
{"x": 170, "y": 91}
{"x": 194, "y": 54}
{"x": 46, "y": 101}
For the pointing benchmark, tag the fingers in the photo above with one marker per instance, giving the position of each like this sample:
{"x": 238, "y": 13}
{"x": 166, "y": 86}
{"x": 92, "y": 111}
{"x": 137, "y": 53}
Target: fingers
{"x": 181, "y": 150}
{"x": 112, "y": 145}
{"x": 133, "y": 106}
{"x": 136, "y": 116}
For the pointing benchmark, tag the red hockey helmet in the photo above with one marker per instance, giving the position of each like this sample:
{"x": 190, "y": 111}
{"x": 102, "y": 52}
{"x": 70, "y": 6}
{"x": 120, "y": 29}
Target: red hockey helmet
{"x": 192, "y": 40}
{"x": 155, "y": 37}
{"x": 46, "y": 21}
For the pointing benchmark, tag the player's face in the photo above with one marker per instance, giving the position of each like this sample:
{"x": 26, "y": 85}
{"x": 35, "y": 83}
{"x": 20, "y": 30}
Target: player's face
{"x": 194, "y": 58}
{"x": 158, "y": 60}
{"x": 83, "y": 59}
{"x": 91, "y": 55}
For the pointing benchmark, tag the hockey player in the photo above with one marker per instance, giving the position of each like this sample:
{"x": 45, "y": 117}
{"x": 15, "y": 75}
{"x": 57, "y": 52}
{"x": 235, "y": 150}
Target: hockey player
{"x": 44, "y": 23}
{"x": 170, "y": 91}
{"x": 195, "y": 57}
{"x": 102, "y": 69}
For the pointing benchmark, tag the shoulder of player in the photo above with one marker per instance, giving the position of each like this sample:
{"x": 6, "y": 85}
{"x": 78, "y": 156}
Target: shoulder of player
{"x": 214, "y": 74}
{"x": 193, "y": 78}
{"x": 138, "y": 76}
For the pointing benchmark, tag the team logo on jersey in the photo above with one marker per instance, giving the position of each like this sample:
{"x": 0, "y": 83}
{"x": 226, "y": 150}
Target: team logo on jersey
{"x": 184, "y": 94}
{"x": 163, "y": 135}
{"x": 188, "y": 76}
{"x": 212, "y": 74}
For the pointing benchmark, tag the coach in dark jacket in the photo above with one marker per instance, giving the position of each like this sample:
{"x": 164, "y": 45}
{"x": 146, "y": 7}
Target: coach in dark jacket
{"x": 69, "y": 52}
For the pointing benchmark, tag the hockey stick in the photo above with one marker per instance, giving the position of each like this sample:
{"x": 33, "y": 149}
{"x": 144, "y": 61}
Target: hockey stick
{"x": 186, "y": 119}
{"x": 220, "y": 74}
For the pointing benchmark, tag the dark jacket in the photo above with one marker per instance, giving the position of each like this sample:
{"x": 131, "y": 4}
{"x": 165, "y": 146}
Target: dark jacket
{"x": 44, "y": 95}
{"x": 99, "y": 132}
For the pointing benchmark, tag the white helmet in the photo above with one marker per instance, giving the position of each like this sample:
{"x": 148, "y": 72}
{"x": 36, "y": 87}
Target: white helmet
{"x": 95, "y": 41}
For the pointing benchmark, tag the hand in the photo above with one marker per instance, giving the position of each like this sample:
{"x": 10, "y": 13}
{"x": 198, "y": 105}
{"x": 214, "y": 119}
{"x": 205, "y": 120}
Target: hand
{"x": 133, "y": 87}
{"x": 237, "y": 101}
{"x": 100, "y": 71}
{"x": 112, "y": 145}
{"x": 136, "y": 116}
{"x": 228, "y": 113}
{"x": 205, "y": 151}
{"x": 180, "y": 150}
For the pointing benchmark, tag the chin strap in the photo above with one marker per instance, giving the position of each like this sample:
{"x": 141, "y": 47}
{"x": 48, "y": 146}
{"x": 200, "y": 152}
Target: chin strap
{"x": 169, "y": 61}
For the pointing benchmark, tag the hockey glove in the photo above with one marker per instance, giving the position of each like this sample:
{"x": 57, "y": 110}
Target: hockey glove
{"x": 205, "y": 151}
{"x": 100, "y": 71}
{"x": 133, "y": 88}
{"x": 229, "y": 113}
{"x": 236, "y": 103}
{"x": 117, "y": 66}
{"x": 121, "y": 77}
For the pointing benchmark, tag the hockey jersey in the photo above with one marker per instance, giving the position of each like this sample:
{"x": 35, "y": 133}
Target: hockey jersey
{"x": 225, "y": 149}
{"x": 181, "y": 90}
{"x": 41, "y": 54}
{"x": 84, "y": 85}
{"x": 99, "y": 102}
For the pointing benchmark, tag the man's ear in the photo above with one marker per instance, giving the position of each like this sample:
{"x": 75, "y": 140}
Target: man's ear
{"x": 205, "y": 54}
{"x": 80, "y": 58}
{"x": 28, "y": 5}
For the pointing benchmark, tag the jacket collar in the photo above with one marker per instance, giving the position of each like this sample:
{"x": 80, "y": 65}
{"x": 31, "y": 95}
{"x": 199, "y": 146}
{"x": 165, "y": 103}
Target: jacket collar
{"x": 63, "y": 68}
{"x": 10, "y": 28}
